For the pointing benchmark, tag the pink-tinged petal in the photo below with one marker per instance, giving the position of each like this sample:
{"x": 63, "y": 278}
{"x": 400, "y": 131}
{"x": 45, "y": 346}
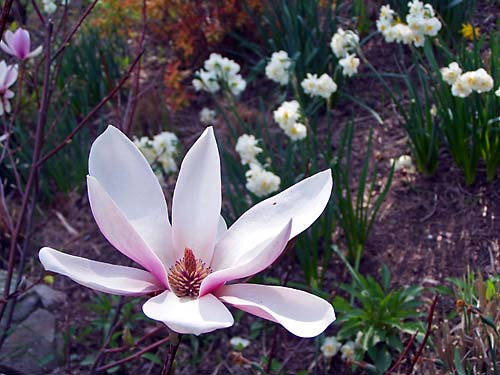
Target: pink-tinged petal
{"x": 7, "y": 105}
{"x": 21, "y": 43}
{"x": 188, "y": 315}
{"x": 221, "y": 229}
{"x": 35, "y": 52}
{"x": 3, "y": 74}
{"x": 126, "y": 176}
{"x": 11, "y": 76}
{"x": 108, "y": 278}
{"x": 9, "y": 36}
{"x": 258, "y": 259}
{"x": 302, "y": 203}
{"x": 8, "y": 94}
{"x": 6, "y": 48}
{"x": 301, "y": 313}
{"x": 118, "y": 230}
{"x": 197, "y": 199}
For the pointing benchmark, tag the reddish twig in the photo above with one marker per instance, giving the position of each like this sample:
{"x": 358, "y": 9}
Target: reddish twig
{"x": 82, "y": 123}
{"x": 33, "y": 173}
{"x": 133, "y": 356}
{"x": 403, "y": 355}
{"x": 37, "y": 11}
{"x": 5, "y": 13}
{"x": 114, "y": 325}
{"x": 127, "y": 347}
{"x": 132, "y": 103}
{"x": 65, "y": 43}
{"x": 430, "y": 317}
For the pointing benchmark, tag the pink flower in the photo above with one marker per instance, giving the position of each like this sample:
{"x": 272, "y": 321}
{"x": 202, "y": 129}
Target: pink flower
{"x": 18, "y": 44}
{"x": 190, "y": 262}
{"x": 8, "y": 75}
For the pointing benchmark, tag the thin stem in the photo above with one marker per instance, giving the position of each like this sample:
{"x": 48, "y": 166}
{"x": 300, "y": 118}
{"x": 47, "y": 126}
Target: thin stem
{"x": 133, "y": 356}
{"x": 5, "y": 13}
{"x": 33, "y": 174}
{"x": 82, "y": 123}
{"x": 168, "y": 366}
{"x": 427, "y": 333}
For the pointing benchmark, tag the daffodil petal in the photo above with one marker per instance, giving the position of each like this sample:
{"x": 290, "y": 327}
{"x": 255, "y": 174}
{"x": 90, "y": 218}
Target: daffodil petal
{"x": 197, "y": 199}
{"x": 302, "y": 203}
{"x": 108, "y": 278}
{"x": 126, "y": 176}
{"x": 188, "y": 315}
{"x": 301, "y": 313}
{"x": 251, "y": 263}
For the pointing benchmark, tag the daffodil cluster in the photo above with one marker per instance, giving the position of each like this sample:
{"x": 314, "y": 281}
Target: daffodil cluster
{"x": 322, "y": 86}
{"x": 160, "y": 152}
{"x": 344, "y": 44}
{"x": 331, "y": 346}
{"x": 289, "y": 118}
{"x": 463, "y": 84}
{"x": 260, "y": 181}
{"x": 421, "y": 21}
{"x": 278, "y": 68}
{"x": 219, "y": 71}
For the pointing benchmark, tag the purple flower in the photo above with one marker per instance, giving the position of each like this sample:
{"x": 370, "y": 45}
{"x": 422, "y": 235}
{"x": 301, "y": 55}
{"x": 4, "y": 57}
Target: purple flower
{"x": 18, "y": 44}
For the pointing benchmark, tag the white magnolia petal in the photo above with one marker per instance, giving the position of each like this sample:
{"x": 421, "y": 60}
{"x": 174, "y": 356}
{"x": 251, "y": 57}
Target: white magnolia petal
{"x": 120, "y": 232}
{"x": 221, "y": 229}
{"x": 108, "y": 278}
{"x": 6, "y": 48}
{"x": 126, "y": 176}
{"x": 301, "y": 313}
{"x": 188, "y": 315}
{"x": 197, "y": 199}
{"x": 35, "y": 52}
{"x": 251, "y": 263}
{"x": 302, "y": 203}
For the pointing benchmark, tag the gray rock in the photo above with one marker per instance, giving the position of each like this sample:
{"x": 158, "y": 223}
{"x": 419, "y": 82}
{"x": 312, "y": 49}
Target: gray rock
{"x": 32, "y": 346}
{"x": 50, "y": 298}
{"x": 25, "y": 306}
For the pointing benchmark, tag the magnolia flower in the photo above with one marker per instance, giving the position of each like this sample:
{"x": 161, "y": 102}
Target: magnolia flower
{"x": 248, "y": 149}
{"x": 349, "y": 65}
{"x": 497, "y": 93}
{"x": 8, "y": 75}
{"x": 18, "y": 44}
{"x": 189, "y": 262}
{"x": 330, "y": 347}
{"x": 260, "y": 181}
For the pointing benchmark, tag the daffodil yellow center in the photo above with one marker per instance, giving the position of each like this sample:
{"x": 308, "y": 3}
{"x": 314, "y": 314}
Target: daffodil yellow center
{"x": 186, "y": 275}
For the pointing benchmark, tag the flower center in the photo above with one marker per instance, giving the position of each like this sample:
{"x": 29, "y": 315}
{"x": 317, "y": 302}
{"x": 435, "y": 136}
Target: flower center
{"x": 186, "y": 275}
